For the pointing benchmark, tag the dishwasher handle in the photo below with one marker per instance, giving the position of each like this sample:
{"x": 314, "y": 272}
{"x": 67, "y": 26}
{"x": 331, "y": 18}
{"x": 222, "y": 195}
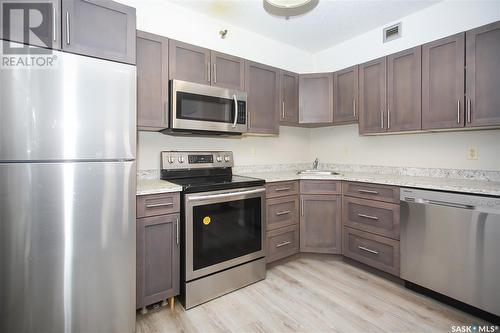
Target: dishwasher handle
{"x": 439, "y": 203}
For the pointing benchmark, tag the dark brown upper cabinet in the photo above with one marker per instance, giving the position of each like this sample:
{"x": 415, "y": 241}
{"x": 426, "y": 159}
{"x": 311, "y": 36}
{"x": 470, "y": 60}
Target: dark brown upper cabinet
{"x": 188, "y": 62}
{"x": 196, "y": 64}
{"x": 443, "y": 78}
{"x": 316, "y": 99}
{"x": 404, "y": 90}
{"x": 152, "y": 82}
{"x": 101, "y": 29}
{"x": 345, "y": 96}
{"x": 227, "y": 71}
{"x": 372, "y": 96}
{"x": 289, "y": 114}
{"x": 262, "y": 84}
{"x": 50, "y": 33}
{"x": 483, "y": 76}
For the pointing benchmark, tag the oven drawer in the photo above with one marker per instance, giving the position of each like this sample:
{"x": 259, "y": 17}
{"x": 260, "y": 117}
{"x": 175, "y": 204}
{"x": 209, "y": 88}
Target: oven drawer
{"x": 377, "y": 217}
{"x": 282, "y": 243}
{"x": 157, "y": 204}
{"x": 320, "y": 187}
{"x": 372, "y": 250}
{"x": 280, "y": 189}
{"x": 371, "y": 191}
{"x": 282, "y": 212}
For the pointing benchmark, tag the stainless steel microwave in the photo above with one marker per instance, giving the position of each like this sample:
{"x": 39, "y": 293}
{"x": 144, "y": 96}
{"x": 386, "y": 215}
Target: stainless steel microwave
{"x": 200, "y": 108}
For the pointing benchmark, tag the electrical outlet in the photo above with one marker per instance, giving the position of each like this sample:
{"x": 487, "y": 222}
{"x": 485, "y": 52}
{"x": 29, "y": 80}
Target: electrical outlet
{"x": 472, "y": 153}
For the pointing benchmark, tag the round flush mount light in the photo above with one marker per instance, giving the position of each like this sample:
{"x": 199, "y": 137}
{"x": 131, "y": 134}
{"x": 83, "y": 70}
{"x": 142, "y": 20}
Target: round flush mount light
{"x": 289, "y": 8}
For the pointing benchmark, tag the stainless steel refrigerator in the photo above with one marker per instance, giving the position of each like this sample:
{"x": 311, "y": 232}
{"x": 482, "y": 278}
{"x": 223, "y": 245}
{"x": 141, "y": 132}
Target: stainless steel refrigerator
{"x": 67, "y": 197}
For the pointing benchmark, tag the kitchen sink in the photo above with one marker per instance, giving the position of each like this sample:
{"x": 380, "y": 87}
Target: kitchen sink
{"x": 317, "y": 172}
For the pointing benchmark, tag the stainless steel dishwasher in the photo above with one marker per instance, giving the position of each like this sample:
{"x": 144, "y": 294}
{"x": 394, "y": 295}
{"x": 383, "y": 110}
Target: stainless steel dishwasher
{"x": 450, "y": 243}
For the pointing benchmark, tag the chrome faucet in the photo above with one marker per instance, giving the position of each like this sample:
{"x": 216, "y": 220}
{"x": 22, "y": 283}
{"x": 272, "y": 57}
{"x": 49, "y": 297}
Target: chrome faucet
{"x": 315, "y": 164}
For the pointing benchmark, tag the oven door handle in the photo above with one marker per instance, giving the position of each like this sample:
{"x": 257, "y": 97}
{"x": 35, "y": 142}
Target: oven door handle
{"x": 224, "y": 195}
{"x": 235, "y": 110}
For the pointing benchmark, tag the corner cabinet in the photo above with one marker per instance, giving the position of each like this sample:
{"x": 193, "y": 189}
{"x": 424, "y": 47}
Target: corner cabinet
{"x": 483, "y": 76}
{"x": 345, "y": 96}
{"x": 320, "y": 217}
{"x": 152, "y": 82}
{"x": 289, "y": 114}
{"x": 316, "y": 99}
{"x": 101, "y": 29}
{"x": 262, "y": 84}
{"x": 158, "y": 249}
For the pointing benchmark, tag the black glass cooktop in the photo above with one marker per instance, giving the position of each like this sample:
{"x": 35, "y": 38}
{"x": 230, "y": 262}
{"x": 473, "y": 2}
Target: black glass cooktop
{"x": 213, "y": 181}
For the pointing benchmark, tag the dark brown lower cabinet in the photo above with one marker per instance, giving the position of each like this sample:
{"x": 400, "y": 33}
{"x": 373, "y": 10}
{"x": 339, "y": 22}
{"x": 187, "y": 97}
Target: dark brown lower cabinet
{"x": 320, "y": 223}
{"x": 158, "y": 250}
{"x": 282, "y": 243}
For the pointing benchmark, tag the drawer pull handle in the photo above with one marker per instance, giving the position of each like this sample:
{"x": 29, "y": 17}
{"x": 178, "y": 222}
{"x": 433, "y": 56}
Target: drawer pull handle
{"x": 368, "y": 217}
{"x": 283, "y": 244}
{"x": 160, "y": 205}
{"x": 368, "y": 191}
{"x": 281, "y": 189}
{"x": 367, "y": 249}
{"x": 283, "y": 212}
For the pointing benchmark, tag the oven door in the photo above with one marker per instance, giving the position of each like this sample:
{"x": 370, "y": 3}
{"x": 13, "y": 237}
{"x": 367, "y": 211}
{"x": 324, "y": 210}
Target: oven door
{"x": 223, "y": 229}
{"x": 200, "y": 107}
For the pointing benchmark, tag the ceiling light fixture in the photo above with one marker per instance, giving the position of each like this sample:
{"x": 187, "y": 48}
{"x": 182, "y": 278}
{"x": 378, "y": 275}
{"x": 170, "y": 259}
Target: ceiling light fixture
{"x": 289, "y": 8}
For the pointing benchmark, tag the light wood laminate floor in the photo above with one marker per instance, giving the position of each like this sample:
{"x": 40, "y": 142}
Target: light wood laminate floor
{"x": 312, "y": 293}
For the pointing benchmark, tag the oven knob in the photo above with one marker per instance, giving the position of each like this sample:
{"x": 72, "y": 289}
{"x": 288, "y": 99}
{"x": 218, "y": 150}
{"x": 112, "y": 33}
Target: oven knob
{"x": 219, "y": 158}
{"x": 171, "y": 159}
{"x": 181, "y": 159}
{"x": 227, "y": 158}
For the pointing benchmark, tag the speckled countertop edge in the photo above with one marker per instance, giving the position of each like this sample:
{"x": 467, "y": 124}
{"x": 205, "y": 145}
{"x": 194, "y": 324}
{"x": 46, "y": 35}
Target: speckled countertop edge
{"x": 156, "y": 186}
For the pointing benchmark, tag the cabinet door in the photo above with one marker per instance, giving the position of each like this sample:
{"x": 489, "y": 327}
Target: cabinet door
{"x": 404, "y": 90}
{"x": 158, "y": 272}
{"x": 227, "y": 71}
{"x": 320, "y": 224}
{"x": 483, "y": 76}
{"x": 262, "y": 86}
{"x": 48, "y": 34}
{"x": 443, "y": 78}
{"x": 345, "y": 96}
{"x": 99, "y": 28}
{"x": 289, "y": 98}
{"x": 152, "y": 81}
{"x": 316, "y": 98}
{"x": 372, "y": 96}
{"x": 188, "y": 62}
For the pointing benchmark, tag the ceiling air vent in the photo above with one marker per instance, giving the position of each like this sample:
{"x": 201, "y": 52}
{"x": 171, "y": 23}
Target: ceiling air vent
{"x": 392, "y": 32}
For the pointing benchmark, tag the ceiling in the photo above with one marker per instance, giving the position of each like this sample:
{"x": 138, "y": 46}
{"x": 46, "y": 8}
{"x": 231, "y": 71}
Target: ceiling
{"x": 330, "y": 23}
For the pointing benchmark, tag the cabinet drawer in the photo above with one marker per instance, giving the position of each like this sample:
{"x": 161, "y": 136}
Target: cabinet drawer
{"x": 280, "y": 189}
{"x": 157, "y": 204}
{"x": 377, "y": 217}
{"x": 371, "y": 191}
{"x": 282, "y": 212}
{"x": 372, "y": 250}
{"x": 282, "y": 243}
{"x": 320, "y": 187}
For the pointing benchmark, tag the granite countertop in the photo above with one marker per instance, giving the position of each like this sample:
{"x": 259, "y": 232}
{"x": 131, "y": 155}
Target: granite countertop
{"x": 431, "y": 183}
{"x": 155, "y": 186}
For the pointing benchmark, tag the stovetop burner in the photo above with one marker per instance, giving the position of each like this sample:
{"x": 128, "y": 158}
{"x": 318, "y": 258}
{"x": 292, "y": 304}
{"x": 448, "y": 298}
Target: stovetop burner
{"x": 203, "y": 171}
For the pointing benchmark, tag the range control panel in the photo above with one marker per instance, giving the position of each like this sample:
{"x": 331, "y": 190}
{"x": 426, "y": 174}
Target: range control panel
{"x": 171, "y": 160}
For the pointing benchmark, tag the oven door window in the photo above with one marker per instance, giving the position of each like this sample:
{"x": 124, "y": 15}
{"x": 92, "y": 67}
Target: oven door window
{"x": 204, "y": 108}
{"x": 226, "y": 230}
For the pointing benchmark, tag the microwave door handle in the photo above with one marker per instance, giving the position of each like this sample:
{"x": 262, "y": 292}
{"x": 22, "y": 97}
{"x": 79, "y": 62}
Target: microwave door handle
{"x": 235, "y": 111}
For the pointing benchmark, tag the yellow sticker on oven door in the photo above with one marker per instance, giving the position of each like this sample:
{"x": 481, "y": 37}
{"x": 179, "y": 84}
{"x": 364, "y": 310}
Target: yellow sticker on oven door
{"x": 207, "y": 220}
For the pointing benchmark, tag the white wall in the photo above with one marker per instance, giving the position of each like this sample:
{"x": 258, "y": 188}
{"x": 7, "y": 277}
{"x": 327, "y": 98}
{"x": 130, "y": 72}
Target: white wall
{"x": 291, "y": 146}
{"x": 170, "y": 20}
{"x": 342, "y": 144}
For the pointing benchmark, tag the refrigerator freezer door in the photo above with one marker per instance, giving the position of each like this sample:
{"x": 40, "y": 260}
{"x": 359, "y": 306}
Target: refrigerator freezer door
{"x": 82, "y": 109}
{"x": 67, "y": 247}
